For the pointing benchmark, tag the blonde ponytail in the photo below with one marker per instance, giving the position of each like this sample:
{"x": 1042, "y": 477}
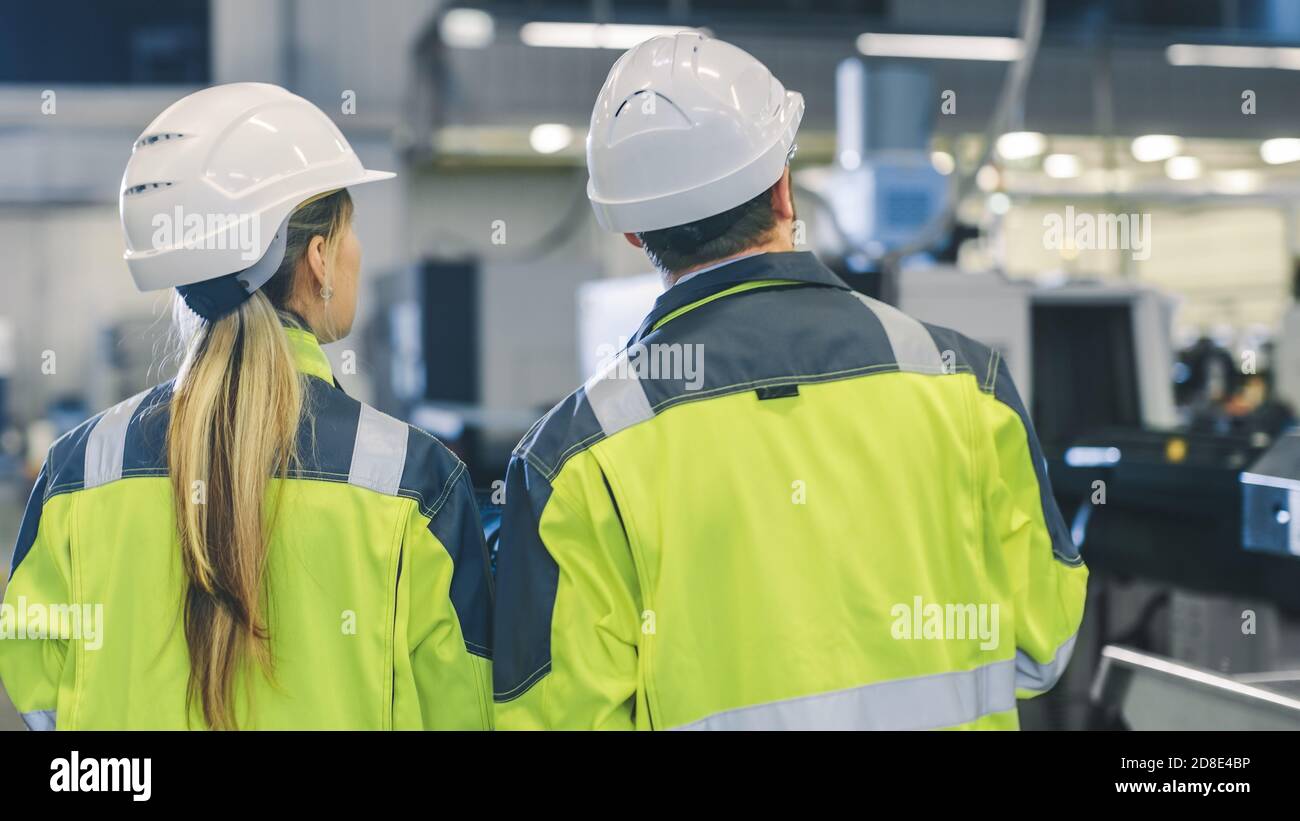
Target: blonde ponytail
{"x": 235, "y": 414}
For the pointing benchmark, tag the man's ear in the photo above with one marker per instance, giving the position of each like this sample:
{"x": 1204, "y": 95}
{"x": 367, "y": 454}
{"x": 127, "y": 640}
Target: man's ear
{"x": 633, "y": 240}
{"x": 783, "y": 197}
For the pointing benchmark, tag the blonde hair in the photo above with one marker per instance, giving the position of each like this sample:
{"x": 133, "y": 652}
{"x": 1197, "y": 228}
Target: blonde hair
{"x": 235, "y": 413}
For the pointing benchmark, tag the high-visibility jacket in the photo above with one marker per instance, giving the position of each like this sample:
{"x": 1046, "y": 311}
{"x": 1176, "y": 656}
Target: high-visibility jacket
{"x": 840, "y": 519}
{"x": 378, "y": 592}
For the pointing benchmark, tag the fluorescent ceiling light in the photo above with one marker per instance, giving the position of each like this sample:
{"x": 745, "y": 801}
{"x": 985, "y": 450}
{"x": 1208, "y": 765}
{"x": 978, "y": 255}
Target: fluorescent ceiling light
{"x": 1062, "y": 166}
{"x": 1237, "y": 182}
{"x": 548, "y": 138}
{"x": 466, "y": 28}
{"x": 1182, "y": 168}
{"x": 1184, "y": 54}
{"x": 1280, "y": 150}
{"x": 939, "y": 46}
{"x": 1156, "y": 147}
{"x": 1021, "y": 145}
{"x": 591, "y": 35}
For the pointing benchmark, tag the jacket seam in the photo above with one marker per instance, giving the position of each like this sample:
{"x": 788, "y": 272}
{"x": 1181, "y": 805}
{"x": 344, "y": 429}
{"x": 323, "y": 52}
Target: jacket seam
{"x": 645, "y": 653}
{"x": 426, "y": 510}
{"x": 395, "y": 561}
{"x": 532, "y": 678}
{"x": 524, "y": 686}
{"x": 977, "y": 455}
{"x": 713, "y": 393}
{"x": 78, "y": 647}
{"x": 1071, "y": 562}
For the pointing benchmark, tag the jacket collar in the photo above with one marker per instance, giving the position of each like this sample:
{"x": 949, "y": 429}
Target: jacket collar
{"x": 795, "y": 267}
{"x": 308, "y": 355}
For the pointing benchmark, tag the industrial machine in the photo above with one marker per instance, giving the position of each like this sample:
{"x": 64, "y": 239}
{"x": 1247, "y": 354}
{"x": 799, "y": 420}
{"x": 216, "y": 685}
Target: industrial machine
{"x": 1271, "y": 500}
{"x": 1082, "y": 354}
{"x": 883, "y": 188}
{"x": 1142, "y": 691}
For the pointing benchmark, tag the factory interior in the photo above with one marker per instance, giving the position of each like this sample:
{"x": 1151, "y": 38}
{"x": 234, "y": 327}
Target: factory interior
{"x": 1106, "y": 193}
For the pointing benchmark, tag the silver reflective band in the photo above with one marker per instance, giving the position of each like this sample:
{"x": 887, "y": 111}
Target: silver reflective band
{"x": 914, "y": 348}
{"x": 39, "y": 719}
{"x": 106, "y": 445}
{"x": 922, "y": 703}
{"x": 1030, "y": 675}
{"x": 616, "y": 396}
{"x": 379, "y": 455}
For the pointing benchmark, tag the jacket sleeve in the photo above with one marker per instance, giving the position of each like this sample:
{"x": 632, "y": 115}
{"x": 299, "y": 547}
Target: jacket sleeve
{"x": 32, "y": 656}
{"x": 447, "y": 588}
{"x": 568, "y": 607}
{"x": 1048, "y": 576}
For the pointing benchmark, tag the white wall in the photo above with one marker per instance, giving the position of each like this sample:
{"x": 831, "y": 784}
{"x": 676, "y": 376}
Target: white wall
{"x": 65, "y": 282}
{"x": 529, "y": 284}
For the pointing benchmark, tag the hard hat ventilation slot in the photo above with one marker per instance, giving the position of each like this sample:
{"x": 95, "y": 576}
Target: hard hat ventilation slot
{"x": 147, "y": 186}
{"x": 150, "y": 139}
{"x": 639, "y": 97}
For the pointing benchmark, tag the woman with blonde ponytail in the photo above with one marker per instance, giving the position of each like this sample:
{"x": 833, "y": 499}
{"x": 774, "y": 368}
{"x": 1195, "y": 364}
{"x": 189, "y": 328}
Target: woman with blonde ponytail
{"x": 263, "y": 551}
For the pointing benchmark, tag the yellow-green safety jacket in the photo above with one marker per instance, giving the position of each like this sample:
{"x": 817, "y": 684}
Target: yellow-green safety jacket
{"x": 379, "y": 596}
{"x": 840, "y": 519}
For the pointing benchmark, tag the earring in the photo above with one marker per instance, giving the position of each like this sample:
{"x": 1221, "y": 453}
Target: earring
{"x": 326, "y": 292}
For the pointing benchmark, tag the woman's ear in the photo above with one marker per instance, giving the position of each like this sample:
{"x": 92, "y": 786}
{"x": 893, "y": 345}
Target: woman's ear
{"x": 315, "y": 258}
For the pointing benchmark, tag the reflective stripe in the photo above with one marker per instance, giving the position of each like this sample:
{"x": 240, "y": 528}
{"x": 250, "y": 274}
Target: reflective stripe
{"x": 39, "y": 719}
{"x": 1030, "y": 675}
{"x": 617, "y": 398}
{"x": 914, "y": 348}
{"x": 922, "y": 703}
{"x": 379, "y": 454}
{"x": 106, "y": 445}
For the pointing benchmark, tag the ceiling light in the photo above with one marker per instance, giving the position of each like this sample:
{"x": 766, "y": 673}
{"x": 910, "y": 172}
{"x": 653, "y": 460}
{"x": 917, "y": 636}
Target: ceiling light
{"x": 1182, "y": 168}
{"x": 592, "y": 35}
{"x": 1237, "y": 182}
{"x": 939, "y": 47}
{"x": 1280, "y": 150}
{"x": 1156, "y": 147}
{"x": 988, "y": 178}
{"x": 548, "y": 138}
{"x": 1062, "y": 166}
{"x": 1021, "y": 145}
{"x": 1185, "y": 54}
{"x": 466, "y": 28}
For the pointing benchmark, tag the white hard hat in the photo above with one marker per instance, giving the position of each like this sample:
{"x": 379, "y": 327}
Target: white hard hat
{"x": 211, "y": 181}
{"x": 684, "y": 128}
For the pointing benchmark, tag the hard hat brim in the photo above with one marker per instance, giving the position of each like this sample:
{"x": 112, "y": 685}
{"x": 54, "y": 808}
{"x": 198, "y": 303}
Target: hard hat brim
{"x": 154, "y": 270}
{"x": 374, "y": 176}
